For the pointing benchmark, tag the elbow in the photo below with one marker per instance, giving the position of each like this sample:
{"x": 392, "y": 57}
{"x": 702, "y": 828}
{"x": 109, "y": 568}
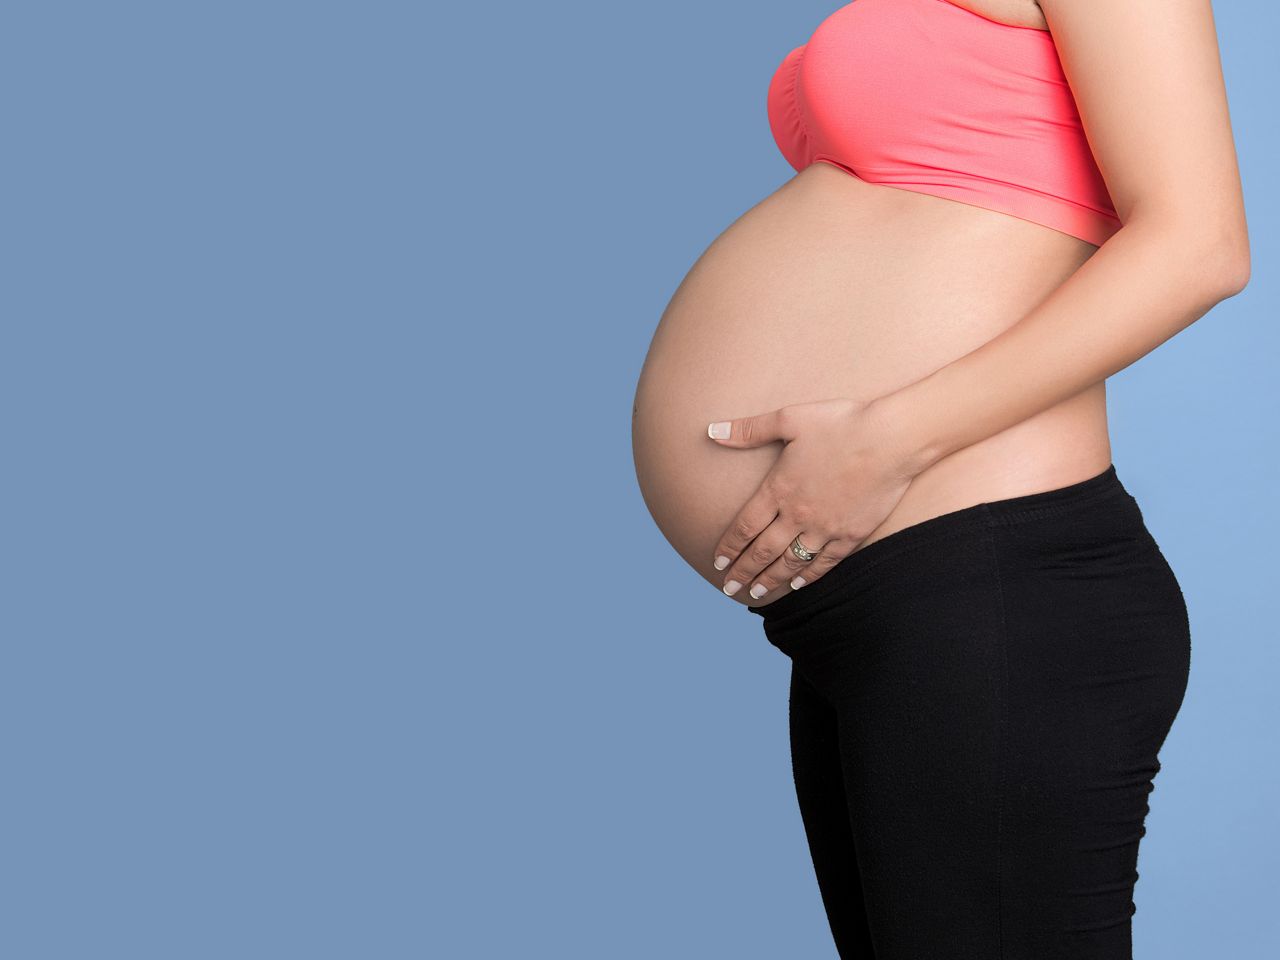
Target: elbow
{"x": 1236, "y": 276}
{"x": 1230, "y": 261}
{"x": 1209, "y": 254}
{"x": 1225, "y": 266}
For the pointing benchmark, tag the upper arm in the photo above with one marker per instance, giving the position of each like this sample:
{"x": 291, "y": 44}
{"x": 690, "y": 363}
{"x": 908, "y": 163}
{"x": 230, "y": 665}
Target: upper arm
{"x": 1147, "y": 79}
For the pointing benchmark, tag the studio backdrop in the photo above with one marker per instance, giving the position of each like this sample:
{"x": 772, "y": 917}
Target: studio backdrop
{"x": 335, "y": 624}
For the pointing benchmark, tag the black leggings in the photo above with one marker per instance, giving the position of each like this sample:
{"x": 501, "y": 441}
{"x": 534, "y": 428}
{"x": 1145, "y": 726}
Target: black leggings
{"x": 976, "y": 706}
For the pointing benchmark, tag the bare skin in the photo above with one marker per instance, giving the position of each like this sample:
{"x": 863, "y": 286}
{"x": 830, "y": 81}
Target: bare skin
{"x": 1017, "y": 13}
{"x": 833, "y": 287}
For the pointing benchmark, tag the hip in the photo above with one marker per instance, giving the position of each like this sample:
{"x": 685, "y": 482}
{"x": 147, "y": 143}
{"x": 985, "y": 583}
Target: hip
{"x": 1068, "y": 585}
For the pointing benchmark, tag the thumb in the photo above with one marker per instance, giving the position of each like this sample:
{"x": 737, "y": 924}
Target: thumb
{"x": 751, "y": 431}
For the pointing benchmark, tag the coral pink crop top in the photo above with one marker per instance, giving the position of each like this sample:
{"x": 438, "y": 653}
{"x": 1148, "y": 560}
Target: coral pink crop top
{"x": 929, "y": 96}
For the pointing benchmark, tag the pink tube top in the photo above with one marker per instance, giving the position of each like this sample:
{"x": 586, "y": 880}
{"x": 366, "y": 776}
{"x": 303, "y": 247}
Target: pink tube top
{"x": 929, "y": 96}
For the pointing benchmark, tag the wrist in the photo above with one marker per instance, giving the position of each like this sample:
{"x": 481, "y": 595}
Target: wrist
{"x": 912, "y": 449}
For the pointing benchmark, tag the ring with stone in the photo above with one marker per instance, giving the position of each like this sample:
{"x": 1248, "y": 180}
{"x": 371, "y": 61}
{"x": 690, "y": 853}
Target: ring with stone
{"x": 801, "y": 551}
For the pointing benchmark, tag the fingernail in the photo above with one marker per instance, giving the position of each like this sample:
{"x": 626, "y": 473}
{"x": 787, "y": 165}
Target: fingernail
{"x": 732, "y": 587}
{"x": 758, "y": 591}
{"x": 719, "y": 430}
{"x": 797, "y": 583}
{"x": 721, "y": 562}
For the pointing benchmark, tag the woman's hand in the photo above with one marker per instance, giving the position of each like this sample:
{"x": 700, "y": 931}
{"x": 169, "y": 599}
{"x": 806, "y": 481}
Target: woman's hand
{"x": 841, "y": 472}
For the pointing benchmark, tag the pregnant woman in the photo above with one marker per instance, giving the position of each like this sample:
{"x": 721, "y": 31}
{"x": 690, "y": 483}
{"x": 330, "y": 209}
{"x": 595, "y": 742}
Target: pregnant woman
{"x": 874, "y": 412}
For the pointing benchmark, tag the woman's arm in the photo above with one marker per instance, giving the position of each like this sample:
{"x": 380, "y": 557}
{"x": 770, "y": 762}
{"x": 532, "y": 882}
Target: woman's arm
{"x": 1148, "y": 83}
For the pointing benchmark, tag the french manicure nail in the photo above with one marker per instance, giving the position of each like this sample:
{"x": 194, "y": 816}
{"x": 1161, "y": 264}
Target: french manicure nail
{"x": 721, "y": 562}
{"x": 732, "y": 587}
{"x": 797, "y": 583}
{"x": 758, "y": 591}
{"x": 718, "y": 430}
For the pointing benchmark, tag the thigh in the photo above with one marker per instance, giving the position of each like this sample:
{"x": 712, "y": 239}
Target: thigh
{"x": 824, "y": 809}
{"x": 913, "y": 663}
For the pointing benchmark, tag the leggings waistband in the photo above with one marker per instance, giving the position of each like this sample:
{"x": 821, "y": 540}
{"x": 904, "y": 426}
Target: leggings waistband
{"x": 976, "y": 518}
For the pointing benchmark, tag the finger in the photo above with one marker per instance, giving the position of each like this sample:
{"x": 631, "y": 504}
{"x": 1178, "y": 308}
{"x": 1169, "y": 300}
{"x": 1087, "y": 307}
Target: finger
{"x": 754, "y": 431}
{"x": 756, "y": 514}
{"x": 761, "y": 552}
{"x": 832, "y": 554}
{"x": 788, "y": 566}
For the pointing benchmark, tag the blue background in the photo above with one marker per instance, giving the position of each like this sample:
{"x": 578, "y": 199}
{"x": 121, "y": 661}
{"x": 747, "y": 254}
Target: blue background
{"x": 334, "y": 622}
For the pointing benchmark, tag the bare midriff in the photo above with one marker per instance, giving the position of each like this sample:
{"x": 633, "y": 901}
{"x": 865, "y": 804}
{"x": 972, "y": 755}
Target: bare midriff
{"x": 835, "y": 287}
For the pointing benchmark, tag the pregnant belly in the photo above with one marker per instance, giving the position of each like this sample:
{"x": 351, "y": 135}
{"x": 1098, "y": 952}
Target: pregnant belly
{"x": 835, "y": 287}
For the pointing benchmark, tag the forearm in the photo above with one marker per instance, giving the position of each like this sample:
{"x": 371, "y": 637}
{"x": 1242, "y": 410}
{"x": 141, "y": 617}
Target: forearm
{"x": 1138, "y": 290}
